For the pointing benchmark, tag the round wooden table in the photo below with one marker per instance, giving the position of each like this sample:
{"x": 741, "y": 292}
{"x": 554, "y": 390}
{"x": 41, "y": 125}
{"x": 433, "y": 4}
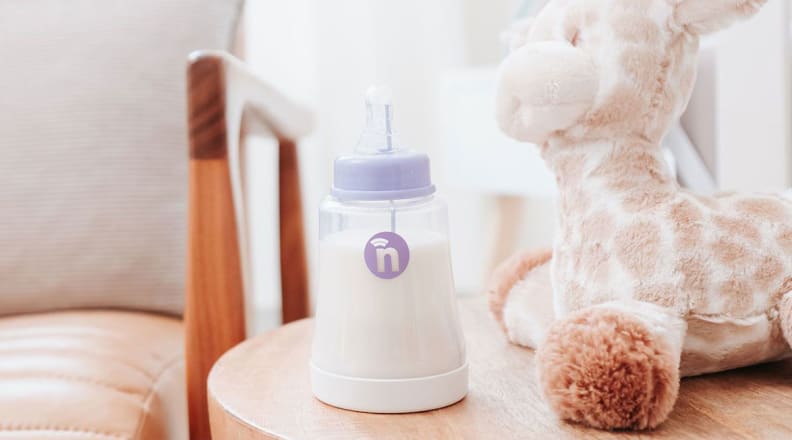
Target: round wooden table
{"x": 261, "y": 389}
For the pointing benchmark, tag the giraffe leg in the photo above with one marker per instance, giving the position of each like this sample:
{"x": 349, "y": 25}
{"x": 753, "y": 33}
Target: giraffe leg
{"x": 521, "y": 297}
{"x": 614, "y": 365}
{"x": 785, "y": 311}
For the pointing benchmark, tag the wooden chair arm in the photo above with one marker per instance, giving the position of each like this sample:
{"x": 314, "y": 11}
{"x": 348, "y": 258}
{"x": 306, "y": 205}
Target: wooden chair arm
{"x": 220, "y": 89}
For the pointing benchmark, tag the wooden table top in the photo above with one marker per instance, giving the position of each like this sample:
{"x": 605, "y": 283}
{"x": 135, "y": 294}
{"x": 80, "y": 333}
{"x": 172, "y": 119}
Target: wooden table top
{"x": 261, "y": 389}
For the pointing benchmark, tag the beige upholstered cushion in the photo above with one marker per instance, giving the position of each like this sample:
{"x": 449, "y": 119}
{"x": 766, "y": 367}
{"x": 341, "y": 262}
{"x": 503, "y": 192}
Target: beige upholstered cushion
{"x": 92, "y": 375}
{"x": 93, "y": 149}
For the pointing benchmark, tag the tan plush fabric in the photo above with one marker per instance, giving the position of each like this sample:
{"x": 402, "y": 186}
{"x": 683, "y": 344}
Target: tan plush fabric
{"x": 93, "y": 149}
{"x": 99, "y": 375}
{"x": 629, "y": 238}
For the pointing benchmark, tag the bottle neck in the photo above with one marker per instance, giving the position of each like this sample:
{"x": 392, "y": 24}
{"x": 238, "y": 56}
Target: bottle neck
{"x": 375, "y": 204}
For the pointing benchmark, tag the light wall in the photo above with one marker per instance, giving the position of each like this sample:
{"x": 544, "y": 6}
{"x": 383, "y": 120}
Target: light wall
{"x": 739, "y": 114}
{"x": 326, "y": 54}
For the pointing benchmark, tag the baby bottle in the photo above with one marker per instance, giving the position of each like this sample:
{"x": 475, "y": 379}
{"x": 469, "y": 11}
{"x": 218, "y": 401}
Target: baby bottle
{"x": 387, "y": 337}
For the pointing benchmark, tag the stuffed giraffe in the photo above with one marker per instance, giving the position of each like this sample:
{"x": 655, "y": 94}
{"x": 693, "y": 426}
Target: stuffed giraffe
{"x": 646, "y": 282}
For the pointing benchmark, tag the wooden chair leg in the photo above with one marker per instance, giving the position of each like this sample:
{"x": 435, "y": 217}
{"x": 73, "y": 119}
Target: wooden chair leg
{"x": 214, "y": 308}
{"x": 219, "y": 86}
{"x": 294, "y": 273}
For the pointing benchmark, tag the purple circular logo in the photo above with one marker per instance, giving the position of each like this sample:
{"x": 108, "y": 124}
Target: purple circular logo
{"x": 386, "y": 255}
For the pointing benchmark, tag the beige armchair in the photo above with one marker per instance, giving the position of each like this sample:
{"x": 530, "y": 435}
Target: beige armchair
{"x": 101, "y": 206}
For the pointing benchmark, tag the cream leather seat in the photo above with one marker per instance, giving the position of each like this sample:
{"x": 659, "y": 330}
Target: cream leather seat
{"x": 92, "y": 375}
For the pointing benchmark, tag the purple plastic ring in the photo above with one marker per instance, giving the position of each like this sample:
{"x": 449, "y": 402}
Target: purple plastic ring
{"x": 390, "y": 176}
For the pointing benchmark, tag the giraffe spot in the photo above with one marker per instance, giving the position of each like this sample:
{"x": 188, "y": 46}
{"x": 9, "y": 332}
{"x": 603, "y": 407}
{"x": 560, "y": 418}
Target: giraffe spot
{"x": 645, "y": 163}
{"x": 644, "y": 199}
{"x": 640, "y": 64}
{"x": 688, "y": 236}
{"x": 627, "y": 167}
{"x": 695, "y": 281}
{"x": 737, "y": 294}
{"x": 686, "y": 221}
{"x": 731, "y": 254}
{"x": 766, "y": 209}
{"x": 597, "y": 227}
{"x": 684, "y": 211}
{"x": 620, "y": 184}
{"x": 662, "y": 294}
{"x": 637, "y": 247}
{"x": 785, "y": 239}
{"x": 738, "y": 227}
{"x": 770, "y": 268}
{"x": 635, "y": 28}
{"x": 620, "y": 110}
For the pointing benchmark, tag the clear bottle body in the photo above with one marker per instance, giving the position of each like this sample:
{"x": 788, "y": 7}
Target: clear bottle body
{"x": 428, "y": 214}
{"x": 386, "y": 303}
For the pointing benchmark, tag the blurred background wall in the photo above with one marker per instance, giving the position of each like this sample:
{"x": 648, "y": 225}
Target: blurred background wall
{"x": 439, "y": 58}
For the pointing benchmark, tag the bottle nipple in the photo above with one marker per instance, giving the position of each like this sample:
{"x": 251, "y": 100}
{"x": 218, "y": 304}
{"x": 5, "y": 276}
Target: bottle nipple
{"x": 380, "y": 169}
{"x": 378, "y": 136}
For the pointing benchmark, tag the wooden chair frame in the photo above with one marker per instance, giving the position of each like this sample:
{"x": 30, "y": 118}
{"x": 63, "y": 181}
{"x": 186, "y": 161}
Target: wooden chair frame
{"x": 221, "y": 90}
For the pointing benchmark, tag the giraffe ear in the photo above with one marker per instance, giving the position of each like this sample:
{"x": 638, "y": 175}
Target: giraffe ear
{"x": 706, "y": 16}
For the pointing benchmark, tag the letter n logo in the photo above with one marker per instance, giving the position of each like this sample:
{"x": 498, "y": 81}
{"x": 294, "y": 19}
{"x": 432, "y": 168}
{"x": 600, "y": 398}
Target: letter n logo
{"x": 387, "y": 255}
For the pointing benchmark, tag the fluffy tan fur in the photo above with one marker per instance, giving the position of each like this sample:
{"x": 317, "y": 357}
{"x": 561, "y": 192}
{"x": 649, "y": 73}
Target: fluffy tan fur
{"x": 596, "y": 84}
{"x": 630, "y": 378}
{"x": 508, "y": 273}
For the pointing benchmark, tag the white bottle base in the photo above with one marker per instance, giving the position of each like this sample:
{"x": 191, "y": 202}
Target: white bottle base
{"x": 390, "y": 395}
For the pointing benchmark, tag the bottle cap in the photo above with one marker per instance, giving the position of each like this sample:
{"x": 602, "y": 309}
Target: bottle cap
{"x": 379, "y": 169}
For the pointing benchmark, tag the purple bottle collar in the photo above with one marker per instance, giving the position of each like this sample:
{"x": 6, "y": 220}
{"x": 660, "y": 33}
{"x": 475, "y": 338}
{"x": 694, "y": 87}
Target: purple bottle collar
{"x": 389, "y": 176}
{"x": 379, "y": 170}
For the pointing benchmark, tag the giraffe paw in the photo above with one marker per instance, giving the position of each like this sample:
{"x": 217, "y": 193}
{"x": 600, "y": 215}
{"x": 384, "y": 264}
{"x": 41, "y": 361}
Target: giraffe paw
{"x": 608, "y": 369}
